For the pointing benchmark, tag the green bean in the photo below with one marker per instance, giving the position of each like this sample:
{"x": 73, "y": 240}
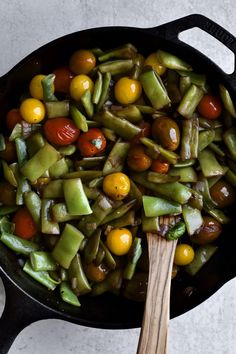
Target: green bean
{"x": 185, "y": 174}
{"x": 231, "y": 177}
{"x": 170, "y": 61}
{"x": 127, "y": 219}
{"x": 17, "y": 244}
{"x": 150, "y": 224}
{"x": 100, "y": 256}
{"x": 176, "y": 231}
{"x": 227, "y": 101}
{"x": 93, "y": 124}
{"x": 205, "y": 123}
{"x": 214, "y": 180}
{"x": 79, "y": 282}
{"x": 108, "y": 258}
{"x": 229, "y": 138}
{"x": 184, "y": 84}
{"x": 16, "y": 132}
{"x": 76, "y": 201}
{"x": 202, "y": 256}
{"x": 170, "y": 156}
{"x": 47, "y": 84}
{"x": 42, "y": 277}
{"x": 85, "y": 176}
{"x": 154, "y": 206}
{"x": 192, "y": 218}
{"x": 21, "y": 151}
{"x": 116, "y": 158}
{"x": 57, "y": 109}
{"x": 112, "y": 282}
{"x": 67, "y": 246}
{"x": 54, "y": 189}
{"x": 105, "y": 90}
{"x": 6, "y": 226}
{"x": 41, "y": 260}
{"x": 218, "y": 134}
{"x": 92, "y": 246}
{"x": 138, "y": 66}
{"x": 97, "y": 51}
{"x": 120, "y": 211}
{"x": 202, "y": 187}
{"x": 154, "y": 89}
{"x": 127, "y": 51}
{"x": 67, "y": 150}
{"x": 97, "y": 88}
{"x": 47, "y": 225}
{"x": 227, "y": 119}
{"x": 40, "y": 162}
{"x": 61, "y": 214}
{"x": 174, "y": 191}
{"x": 195, "y": 78}
{"x": 109, "y": 134}
{"x": 2, "y": 143}
{"x": 9, "y": 174}
{"x": 91, "y": 193}
{"x": 218, "y": 214}
{"x": 120, "y": 126}
{"x": 131, "y": 113}
{"x": 116, "y": 67}
{"x": 190, "y": 101}
{"x": 196, "y": 200}
{"x": 100, "y": 209}
{"x": 205, "y": 138}
{"x": 78, "y": 118}
{"x": 209, "y": 165}
{"x": 156, "y": 177}
{"x": 7, "y": 209}
{"x": 86, "y": 100}
{"x": 33, "y": 204}
{"x": 147, "y": 109}
{"x": 133, "y": 257}
{"x": 68, "y": 295}
{"x": 186, "y": 163}
{"x": 34, "y": 143}
{"x": 59, "y": 168}
{"x": 215, "y": 148}
{"x": 22, "y": 187}
{"x": 135, "y": 194}
{"x": 88, "y": 162}
{"x": 96, "y": 182}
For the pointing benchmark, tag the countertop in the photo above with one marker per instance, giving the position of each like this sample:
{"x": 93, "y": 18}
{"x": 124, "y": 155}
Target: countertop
{"x": 25, "y": 26}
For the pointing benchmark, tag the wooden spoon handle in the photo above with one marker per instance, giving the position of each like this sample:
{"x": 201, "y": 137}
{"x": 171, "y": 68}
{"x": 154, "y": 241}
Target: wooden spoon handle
{"x": 153, "y": 337}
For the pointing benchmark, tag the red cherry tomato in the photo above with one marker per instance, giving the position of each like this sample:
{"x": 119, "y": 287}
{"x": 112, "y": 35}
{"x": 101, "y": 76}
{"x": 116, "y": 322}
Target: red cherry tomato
{"x": 145, "y": 132}
{"x": 24, "y": 224}
{"x": 210, "y": 107}
{"x": 13, "y": 117}
{"x": 62, "y": 79}
{"x": 61, "y": 131}
{"x": 160, "y": 166}
{"x": 92, "y": 142}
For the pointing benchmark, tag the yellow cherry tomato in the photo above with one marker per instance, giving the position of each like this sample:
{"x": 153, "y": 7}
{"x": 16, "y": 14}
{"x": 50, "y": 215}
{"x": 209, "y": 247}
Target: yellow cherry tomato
{"x": 32, "y": 110}
{"x": 184, "y": 254}
{"x": 119, "y": 241}
{"x": 82, "y": 61}
{"x": 79, "y": 84}
{"x": 116, "y": 185}
{"x": 36, "y": 88}
{"x": 152, "y": 61}
{"x": 127, "y": 90}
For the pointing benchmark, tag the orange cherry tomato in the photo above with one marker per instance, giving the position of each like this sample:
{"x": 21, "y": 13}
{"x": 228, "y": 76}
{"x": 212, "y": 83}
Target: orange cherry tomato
{"x": 62, "y": 79}
{"x": 137, "y": 159}
{"x": 210, "y": 107}
{"x": 82, "y": 61}
{"x": 13, "y": 117}
{"x": 160, "y": 166}
{"x": 24, "y": 224}
{"x": 91, "y": 143}
{"x": 61, "y": 131}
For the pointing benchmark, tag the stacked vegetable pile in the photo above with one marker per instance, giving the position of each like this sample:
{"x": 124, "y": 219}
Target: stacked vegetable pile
{"x": 105, "y": 150}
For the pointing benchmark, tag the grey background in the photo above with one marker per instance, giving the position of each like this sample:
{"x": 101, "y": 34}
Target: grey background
{"x": 26, "y": 25}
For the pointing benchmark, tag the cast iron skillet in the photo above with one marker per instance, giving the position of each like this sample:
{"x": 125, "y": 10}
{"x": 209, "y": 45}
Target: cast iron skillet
{"x": 28, "y": 301}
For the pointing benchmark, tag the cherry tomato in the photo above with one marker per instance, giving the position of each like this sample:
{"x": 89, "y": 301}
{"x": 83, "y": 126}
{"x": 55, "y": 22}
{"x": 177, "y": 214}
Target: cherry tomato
{"x": 82, "y": 61}
{"x": 36, "y": 88}
{"x": 91, "y": 143}
{"x": 116, "y": 185}
{"x": 24, "y": 224}
{"x": 9, "y": 154}
{"x": 95, "y": 273}
{"x": 223, "y": 194}
{"x": 63, "y": 79}
{"x": 13, "y": 117}
{"x": 79, "y": 84}
{"x": 210, "y": 107}
{"x": 166, "y": 131}
{"x": 119, "y": 241}
{"x": 208, "y": 232}
{"x": 61, "y": 131}
{"x": 137, "y": 159}
{"x": 184, "y": 254}
{"x": 152, "y": 61}
{"x": 160, "y": 166}
{"x": 127, "y": 90}
{"x": 145, "y": 132}
{"x": 32, "y": 110}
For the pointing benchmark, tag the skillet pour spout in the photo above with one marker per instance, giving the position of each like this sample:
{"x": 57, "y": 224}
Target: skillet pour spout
{"x": 26, "y": 300}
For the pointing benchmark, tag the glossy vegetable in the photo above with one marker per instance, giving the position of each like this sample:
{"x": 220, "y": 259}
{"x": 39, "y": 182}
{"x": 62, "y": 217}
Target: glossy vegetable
{"x": 210, "y": 107}
{"x": 184, "y": 254}
{"x": 82, "y": 61}
{"x": 208, "y": 232}
{"x": 116, "y": 185}
{"x": 127, "y": 90}
{"x": 119, "y": 241}
{"x": 13, "y": 117}
{"x": 61, "y": 131}
{"x": 137, "y": 159}
{"x": 24, "y": 224}
{"x": 79, "y": 84}
{"x": 166, "y": 132}
{"x": 223, "y": 194}
{"x": 32, "y": 110}
{"x": 91, "y": 143}
{"x": 63, "y": 77}
{"x": 152, "y": 61}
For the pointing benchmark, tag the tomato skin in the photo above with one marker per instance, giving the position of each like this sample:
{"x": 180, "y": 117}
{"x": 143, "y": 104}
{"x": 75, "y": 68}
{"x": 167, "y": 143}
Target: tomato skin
{"x": 127, "y": 90}
{"x": 137, "y": 159}
{"x": 145, "y": 132}
{"x": 82, "y": 61}
{"x": 32, "y": 110}
{"x": 160, "y": 166}
{"x": 61, "y": 131}
{"x": 152, "y": 61}
{"x": 210, "y": 107}
{"x": 91, "y": 143}
{"x": 24, "y": 224}
{"x": 63, "y": 79}
{"x": 13, "y": 117}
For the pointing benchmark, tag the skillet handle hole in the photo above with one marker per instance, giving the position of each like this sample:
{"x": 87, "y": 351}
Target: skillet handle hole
{"x": 211, "y": 47}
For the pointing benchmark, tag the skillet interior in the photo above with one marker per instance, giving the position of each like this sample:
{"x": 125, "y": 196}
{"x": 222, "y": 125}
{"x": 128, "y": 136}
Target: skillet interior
{"x": 109, "y": 311}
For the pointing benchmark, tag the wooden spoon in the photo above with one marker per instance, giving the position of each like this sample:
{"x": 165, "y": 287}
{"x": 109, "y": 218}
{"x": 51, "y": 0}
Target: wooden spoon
{"x": 153, "y": 336}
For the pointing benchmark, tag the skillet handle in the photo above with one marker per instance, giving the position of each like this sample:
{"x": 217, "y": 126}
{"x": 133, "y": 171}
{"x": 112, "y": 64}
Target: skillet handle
{"x": 19, "y": 312}
{"x": 171, "y": 30}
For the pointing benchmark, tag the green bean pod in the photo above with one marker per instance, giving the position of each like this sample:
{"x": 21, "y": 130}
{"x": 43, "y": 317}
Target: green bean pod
{"x": 170, "y": 61}
{"x": 77, "y": 277}
{"x": 68, "y": 295}
{"x": 116, "y": 158}
{"x": 57, "y": 109}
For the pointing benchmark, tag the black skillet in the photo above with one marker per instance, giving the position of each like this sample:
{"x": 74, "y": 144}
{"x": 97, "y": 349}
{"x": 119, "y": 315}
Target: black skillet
{"x": 28, "y": 301}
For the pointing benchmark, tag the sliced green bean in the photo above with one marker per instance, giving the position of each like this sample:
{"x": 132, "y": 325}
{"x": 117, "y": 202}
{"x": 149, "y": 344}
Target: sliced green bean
{"x": 154, "y": 206}
{"x": 205, "y": 138}
{"x": 18, "y": 245}
{"x": 105, "y": 90}
{"x": 68, "y": 295}
{"x": 78, "y": 118}
{"x": 133, "y": 257}
{"x": 47, "y": 84}
{"x": 79, "y": 282}
{"x": 156, "y": 177}
{"x": 92, "y": 246}
{"x": 33, "y": 204}
{"x": 34, "y": 143}
{"x": 41, "y": 260}
{"x": 227, "y": 100}
{"x": 170, "y": 61}
{"x": 116, "y": 158}
{"x": 57, "y": 109}
{"x": 61, "y": 214}
{"x": 176, "y": 231}
{"x": 116, "y": 67}
{"x": 108, "y": 258}
{"x": 76, "y": 200}
{"x": 229, "y": 138}
{"x": 190, "y": 101}
{"x": 127, "y": 51}
{"x": 42, "y": 277}
{"x": 67, "y": 150}
{"x": 97, "y": 88}
{"x": 48, "y": 226}
{"x": 192, "y": 218}
{"x": 120, "y": 211}
{"x": 87, "y": 103}
{"x": 169, "y": 156}
{"x": 132, "y": 113}
{"x": 127, "y": 219}
{"x": 209, "y": 165}
{"x": 185, "y": 174}
{"x": 54, "y": 189}
{"x": 202, "y": 256}
{"x": 215, "y": 148}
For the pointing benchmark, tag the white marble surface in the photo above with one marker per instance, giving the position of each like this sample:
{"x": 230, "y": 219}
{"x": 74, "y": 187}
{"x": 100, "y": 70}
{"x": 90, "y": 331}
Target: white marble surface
{"x": 26, "y": 25}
